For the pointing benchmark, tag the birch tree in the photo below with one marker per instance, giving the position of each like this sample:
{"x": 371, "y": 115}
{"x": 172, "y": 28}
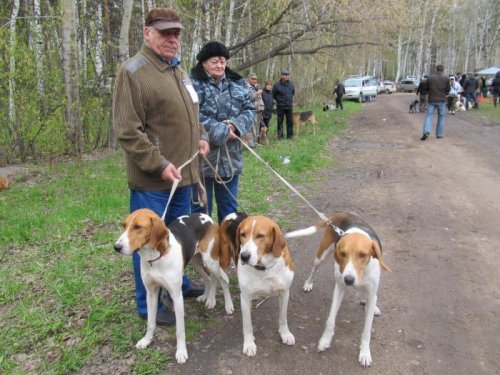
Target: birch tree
{"x": 71, "y": 74}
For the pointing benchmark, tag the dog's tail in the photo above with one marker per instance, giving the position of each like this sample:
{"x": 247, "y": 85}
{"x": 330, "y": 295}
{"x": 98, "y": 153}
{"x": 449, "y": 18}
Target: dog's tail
{"x": 306, "y": 231}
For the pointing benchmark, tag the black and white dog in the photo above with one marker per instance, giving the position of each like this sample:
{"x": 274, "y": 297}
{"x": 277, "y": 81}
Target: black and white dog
{"x": 413, "y": 106}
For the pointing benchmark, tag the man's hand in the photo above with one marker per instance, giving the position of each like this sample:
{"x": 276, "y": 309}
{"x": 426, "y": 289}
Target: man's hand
{"x": 203, "y": 147}
{"x": 170, "y": 173}
{"x": 232, "y": 131}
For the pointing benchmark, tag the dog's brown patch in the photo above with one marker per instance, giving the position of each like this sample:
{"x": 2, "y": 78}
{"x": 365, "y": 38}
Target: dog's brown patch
{"x": 263, "y": 140}
{"x": 4, "y": 183}
{"x": 303, "y": 118}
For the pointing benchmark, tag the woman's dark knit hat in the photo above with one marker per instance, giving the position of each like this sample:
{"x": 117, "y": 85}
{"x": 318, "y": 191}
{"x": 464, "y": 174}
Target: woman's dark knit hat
{"x": 212, "y": 49}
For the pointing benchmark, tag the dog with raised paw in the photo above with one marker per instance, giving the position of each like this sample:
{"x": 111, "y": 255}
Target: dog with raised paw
{"x": 357, "y": 252}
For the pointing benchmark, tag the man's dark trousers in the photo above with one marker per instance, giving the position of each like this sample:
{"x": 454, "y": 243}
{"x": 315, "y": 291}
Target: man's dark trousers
{"x": 288, "y": 112}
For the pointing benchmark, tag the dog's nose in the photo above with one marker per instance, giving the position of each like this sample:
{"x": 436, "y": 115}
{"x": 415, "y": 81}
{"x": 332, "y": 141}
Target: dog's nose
{"x": 245, "y": 257}
{"x": 349, "y": 280}
{"x": 118, "y": 247}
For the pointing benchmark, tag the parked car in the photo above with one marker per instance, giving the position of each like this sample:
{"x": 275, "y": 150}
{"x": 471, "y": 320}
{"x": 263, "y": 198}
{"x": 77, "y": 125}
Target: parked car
{"x": 380, "y": 87}
{"x": 389, "y": 86}
{"x": 361, "y": 88}
{"x": 408, "y": 85}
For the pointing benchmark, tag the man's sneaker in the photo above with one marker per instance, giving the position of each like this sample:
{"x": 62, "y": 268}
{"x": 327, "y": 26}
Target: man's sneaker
{"x": 424, "y": 137}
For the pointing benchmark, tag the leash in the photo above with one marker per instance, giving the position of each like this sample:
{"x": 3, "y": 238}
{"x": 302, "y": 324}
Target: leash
{"x": 219, "y": 180}
{"x": 321, "y": 215}
{"x": 174, "y": 185}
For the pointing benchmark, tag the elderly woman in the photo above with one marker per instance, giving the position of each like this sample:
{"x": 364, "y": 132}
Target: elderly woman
{"x": 226, "y": 111}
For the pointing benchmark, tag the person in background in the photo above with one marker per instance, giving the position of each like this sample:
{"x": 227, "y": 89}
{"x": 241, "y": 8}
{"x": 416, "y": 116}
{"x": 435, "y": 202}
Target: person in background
{"x": 453, "y": 95}
{"x": 226, "y": 112}
{"x": 267, "y": 98}
{"x": 283, "y": 92}
{"x": 482, "y": 87}
{"x": 462, "y": 80}
{"x": 470, "y": 87}
{"x": 495, "y": 89}
{"x": 155, "y": 117}
{"x": 256, "y": 96}
{"x": 423, "y": 94}
{"x": 438, "y": 87}
{"x": 339, "y": 92}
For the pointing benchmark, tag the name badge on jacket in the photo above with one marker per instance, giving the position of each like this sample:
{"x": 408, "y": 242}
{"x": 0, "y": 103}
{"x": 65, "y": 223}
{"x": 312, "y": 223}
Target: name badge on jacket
{"x": 190, "y": 89}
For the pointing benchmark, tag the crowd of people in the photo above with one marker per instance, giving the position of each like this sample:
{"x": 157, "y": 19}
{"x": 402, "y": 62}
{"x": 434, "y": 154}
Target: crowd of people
{"x": 439, "y": 92}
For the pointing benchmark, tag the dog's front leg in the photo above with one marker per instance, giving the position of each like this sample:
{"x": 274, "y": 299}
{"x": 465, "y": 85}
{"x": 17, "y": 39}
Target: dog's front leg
{"x": 228, "y": 302}
{"x": 181, "y": 354}
{"x": 249, "y": 347}
{"x": 152, "y": 303}
{"x": 286, "y": 336}
{"x": 365, "y": 357}
{"x": 326, "y": 338}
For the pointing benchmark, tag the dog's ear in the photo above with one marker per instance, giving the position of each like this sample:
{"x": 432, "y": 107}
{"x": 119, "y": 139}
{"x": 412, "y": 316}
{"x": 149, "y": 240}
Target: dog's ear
{"x": 377, "y": 253}
{"x": 159, "y": 235}
{"x": 225, "y": 246}
{"x": 279, "y": 241}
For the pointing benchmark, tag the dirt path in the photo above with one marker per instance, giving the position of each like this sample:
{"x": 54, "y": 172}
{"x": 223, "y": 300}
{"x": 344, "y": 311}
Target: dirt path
{"x": 435, "y": 205}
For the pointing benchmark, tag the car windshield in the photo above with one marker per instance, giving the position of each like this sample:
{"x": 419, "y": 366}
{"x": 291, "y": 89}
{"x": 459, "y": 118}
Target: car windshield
{"x": 352, "y": 83}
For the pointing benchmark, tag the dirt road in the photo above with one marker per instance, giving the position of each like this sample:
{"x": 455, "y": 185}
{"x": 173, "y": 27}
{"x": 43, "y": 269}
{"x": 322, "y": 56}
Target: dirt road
{"x": 436, "y": 207}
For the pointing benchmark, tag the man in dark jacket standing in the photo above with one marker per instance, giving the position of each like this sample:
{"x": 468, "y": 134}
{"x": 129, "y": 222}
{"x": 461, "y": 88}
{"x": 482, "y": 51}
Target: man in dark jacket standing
{"x": 470, "y": 87}
{"x": 339, "y": 92}
{"x": 283, "y": 92}
{"x": 439, "y": 86}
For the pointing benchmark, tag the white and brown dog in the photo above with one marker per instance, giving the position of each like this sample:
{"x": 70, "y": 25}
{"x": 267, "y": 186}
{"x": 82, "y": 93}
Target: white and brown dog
{"x": 164, "y": 253}
{"x": 358, "y": 259}
{"x": 265, "y": 268}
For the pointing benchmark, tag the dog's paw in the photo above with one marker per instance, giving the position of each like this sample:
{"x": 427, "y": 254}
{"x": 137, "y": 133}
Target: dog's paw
{"x": 324, "y": 343}
{"x": 308, "y": 285}
{"x": 210, "y": 303}
{"x": 365, "y": 357}
{"x": 287, "y": 338}
{"x": 377, "y": 311}
{"x": 249, "y": 348}
{"x": 181, "y": 356}
{"x": 201, "y": 298}
{"x": 229, "y": 308}
{"x": 143, "y": 343}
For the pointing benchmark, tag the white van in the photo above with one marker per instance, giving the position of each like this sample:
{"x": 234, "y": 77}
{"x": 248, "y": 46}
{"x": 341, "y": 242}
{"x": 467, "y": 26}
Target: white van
{"x": 361, "y": 88}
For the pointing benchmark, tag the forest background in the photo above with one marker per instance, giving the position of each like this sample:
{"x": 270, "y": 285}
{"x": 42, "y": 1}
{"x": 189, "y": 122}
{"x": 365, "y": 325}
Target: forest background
{"x": 59, "y": 58}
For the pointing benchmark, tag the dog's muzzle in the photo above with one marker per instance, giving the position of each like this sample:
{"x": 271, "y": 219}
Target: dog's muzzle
{"x": 118, "y": 247}
{"x": 349, "y": 280}
{"x": 245, "y": 257}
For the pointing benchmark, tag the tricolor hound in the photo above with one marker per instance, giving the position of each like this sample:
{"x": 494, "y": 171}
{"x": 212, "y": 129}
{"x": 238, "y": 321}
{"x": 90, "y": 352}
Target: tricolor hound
{"x": 265, "y": 268}
{"x": 358, "y": 259}
{"x": 165, "y": 252}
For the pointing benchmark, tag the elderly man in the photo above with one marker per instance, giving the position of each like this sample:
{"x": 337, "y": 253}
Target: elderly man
{"x": 283, "y": 92}
{"x": 155, "y": 117}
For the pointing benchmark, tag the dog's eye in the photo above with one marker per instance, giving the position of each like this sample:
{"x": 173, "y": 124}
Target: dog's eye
{"x": 137, "y": 227}
{"x": 259, "y": 236}
{"x": 342, "y": 254}
{"x": 362, "y": 255}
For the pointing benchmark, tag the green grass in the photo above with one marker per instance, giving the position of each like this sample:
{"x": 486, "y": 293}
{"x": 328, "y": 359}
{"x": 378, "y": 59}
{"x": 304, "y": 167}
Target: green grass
{"x": 66, "y": 297}
{"x": 486, "y": 109}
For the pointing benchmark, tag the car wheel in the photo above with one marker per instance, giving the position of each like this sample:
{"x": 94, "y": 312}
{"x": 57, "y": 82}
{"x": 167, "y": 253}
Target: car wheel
{"x": 387, "y": 91}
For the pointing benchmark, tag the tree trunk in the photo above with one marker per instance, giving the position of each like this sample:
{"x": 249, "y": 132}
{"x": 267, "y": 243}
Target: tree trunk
{"x": 71, "y": 75}
{"x": 123, "y": 43}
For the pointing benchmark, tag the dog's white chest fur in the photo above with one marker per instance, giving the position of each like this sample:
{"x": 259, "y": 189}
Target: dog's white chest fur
{"x": 270, "y": 282}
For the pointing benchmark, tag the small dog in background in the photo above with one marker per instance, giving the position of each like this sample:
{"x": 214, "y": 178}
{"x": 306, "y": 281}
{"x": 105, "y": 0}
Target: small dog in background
{"x": 4, "y": 183}
{"x": 413, "y": 106}
{"x": 262, "y": 138}
{"x": 303, "y": 118}
{"x": 329, "y": 107}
